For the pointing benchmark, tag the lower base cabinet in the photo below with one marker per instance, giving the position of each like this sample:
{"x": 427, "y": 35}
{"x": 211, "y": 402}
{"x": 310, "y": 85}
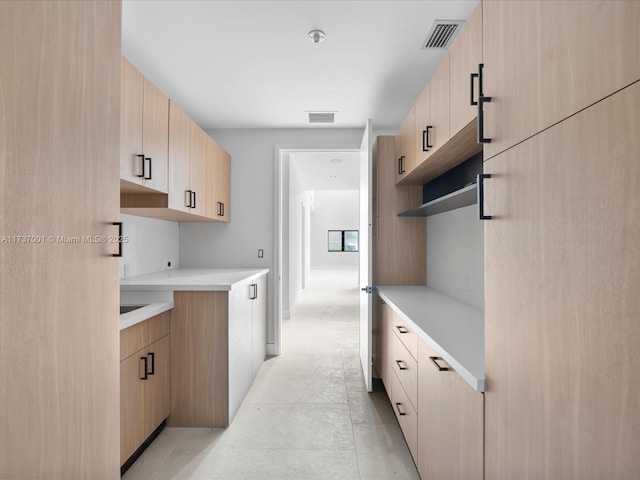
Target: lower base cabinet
{"x": 450, "y": 422}
{"x": 218, "y": 344}
{"x": 145, "y": 357}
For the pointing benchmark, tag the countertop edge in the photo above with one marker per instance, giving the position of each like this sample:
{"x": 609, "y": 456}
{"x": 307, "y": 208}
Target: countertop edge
{"x": 145, "y": 313}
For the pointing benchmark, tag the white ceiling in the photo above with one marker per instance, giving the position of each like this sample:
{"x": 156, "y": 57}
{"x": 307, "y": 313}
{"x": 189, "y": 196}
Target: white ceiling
{"x": 249, "y": 64}
{"x": 326, "y": 170}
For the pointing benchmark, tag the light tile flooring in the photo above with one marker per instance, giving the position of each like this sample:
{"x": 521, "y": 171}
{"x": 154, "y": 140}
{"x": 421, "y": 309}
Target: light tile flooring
{"x": 307, "y": 416}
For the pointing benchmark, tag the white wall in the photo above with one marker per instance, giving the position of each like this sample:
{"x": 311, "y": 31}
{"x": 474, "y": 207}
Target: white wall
{"x": 333, "y": 210}
{"x": 151, "y": 244}
{"x": 295, "y": 216}
{"x": 455, "y": 254}
{"x": 252, "y": 202}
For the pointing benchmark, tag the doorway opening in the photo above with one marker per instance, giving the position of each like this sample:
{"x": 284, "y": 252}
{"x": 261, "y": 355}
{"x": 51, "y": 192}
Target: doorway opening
{"x": 317, "y": 192}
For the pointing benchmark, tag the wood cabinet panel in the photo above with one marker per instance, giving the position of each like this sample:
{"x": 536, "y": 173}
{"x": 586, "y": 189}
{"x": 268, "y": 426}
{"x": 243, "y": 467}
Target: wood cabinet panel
{"x": 464, "y": 56}
{"x": 198, "y": 168}
{"x": 439, "y": 107}
{"x": 562, "y": 274}
{"x": 199, "y": 338}
{"x": 405, "y": 368}
{"x": 395, "y": 236}
{"x": 157, "y": 397}
{"x": 450, "y": 422}
{"x": 132, "y": 415}
{"x": 144, "y": 333}
{"x": 132, "y": 87}
{"x": 223, "y": 185}
{"x": 545, "y": 61}
{"x": 179, "y": 158}
{"x": 405, "y": 147}
{"x": 218, "y": 170}
{"x": 155, "y": 136}
{"x": 407, "y": 335}
{"x": 59, "y": 131}
{"x": 405, "y": 413}
{"x": 422, "y": 115}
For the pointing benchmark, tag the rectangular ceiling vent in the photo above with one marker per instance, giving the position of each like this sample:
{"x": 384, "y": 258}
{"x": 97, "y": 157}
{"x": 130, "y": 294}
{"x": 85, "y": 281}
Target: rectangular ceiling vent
{"x": 442, "y": 34}
{"x": 321, "y": 117}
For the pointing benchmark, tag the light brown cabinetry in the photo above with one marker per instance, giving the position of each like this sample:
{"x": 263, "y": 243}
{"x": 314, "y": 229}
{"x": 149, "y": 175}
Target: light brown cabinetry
{"x": 464, "y": 57}
{"x": 218, "y": 346}
{"x": 144, "y": 381}
{"x": 450, "y": 421}
{"x": 59, "y": 118}
{"x": 545, "y": 61}
{"x": 180, "y": 128}
{"x": 144, "y": 130}
{"x": 406, "y": 147}
{"x": 445, "y": 121}
{"x": 218, "y": 165}
{"x": 562, "y": 273}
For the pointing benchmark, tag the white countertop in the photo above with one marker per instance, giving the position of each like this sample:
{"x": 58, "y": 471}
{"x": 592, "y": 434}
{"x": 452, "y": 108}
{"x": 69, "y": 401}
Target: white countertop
{"x": 201, "y": 279}
{"x": 454, "y": 329}
{"x": 129, "y": 319}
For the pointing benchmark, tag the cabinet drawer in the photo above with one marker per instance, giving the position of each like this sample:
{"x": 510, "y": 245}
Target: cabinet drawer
{"x": 406, "y": 369}
{"x": 406, "y": 415}
{"x": 140, "y": 335}
{"x": 406, "y": 334}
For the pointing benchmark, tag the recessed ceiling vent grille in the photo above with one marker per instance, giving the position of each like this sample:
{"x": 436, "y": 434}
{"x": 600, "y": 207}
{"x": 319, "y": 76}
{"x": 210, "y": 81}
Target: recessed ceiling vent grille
{"x": 442, "y": 33}
{"x": 321, "y": 117}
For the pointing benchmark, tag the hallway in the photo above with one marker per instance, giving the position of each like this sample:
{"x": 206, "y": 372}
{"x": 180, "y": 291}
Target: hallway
{"x": 307, "y": 416}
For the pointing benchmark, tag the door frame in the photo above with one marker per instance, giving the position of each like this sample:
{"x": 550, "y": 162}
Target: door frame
{"x": 281, "y": 155}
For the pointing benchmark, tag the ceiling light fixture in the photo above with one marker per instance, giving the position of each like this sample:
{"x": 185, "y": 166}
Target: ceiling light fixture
{"x": 316, "y": 36}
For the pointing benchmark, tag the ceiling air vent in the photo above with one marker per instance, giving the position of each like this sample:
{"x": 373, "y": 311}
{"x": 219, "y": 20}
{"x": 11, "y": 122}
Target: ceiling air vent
{"x": 321, "y": 117}
{"x": 442, "y": 34}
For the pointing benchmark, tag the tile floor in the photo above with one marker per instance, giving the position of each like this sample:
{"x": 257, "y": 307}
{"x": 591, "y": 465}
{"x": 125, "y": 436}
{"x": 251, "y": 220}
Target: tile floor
{"x": 307, "y": 416}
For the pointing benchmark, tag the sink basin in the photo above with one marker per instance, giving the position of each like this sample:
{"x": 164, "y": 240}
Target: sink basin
{"x": 129, "y": 308}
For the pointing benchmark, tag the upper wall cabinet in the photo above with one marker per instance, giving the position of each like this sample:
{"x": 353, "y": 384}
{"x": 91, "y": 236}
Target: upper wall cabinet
{"x": 464, "y": 57}
{"x": 405, "y": 147}
{"x": 144, "y": 130}
{"x": 545, "y": 61}
{"x": 445, "y": 119}
{"x": 218, "y": 166}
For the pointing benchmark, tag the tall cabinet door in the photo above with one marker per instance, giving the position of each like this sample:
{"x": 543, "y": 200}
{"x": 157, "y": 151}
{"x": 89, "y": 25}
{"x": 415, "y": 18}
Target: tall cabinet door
{"x": 545, "y": 61}
{"x": 223, "y": 185}
{"x": 59, "y": 331}
{"x": 562, "y": 276}
{"x": 155, "y": 135}
{"x": 156, "y": 400}
{"x": 179, "y": 159}
{"x": 131, "y": 96}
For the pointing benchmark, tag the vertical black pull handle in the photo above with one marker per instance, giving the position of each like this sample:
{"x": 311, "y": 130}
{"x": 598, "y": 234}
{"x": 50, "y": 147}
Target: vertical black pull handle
{"x": 145, "y": 376}
{"x": 194, "y": 199}
{"x": 401, "y": 165}
{"x": 429, "y": 127}
{"x": 254, "y": 291}
{"x": 119, "y": 225}
{"x": 141, "y": 157}
{"x": 472, "y": 101}
{"x": 152, "y": 370}
{"x": 148, "y": 159}
{"x": 480, "y": 89}
{"x": 440, "y": 368}
{"x": 480, "y": 180}
{"x": 425, "y": 140}
{"x": 188, "y": 197}
{"x": 222, "y": 208}
{"x": 481, "y": 102}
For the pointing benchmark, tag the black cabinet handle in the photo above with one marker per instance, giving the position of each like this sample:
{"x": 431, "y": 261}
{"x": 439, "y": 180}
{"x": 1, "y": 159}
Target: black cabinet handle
{"x": 481, "y": 102}
{"x": 401, "y": 365}
{"x": 188, "y": 197}
{"x": 148, "y": 159}
{"x": 480, "y": 179}
{"x": 193, "y": 204}
{"x": 482, "y": 99}
{"x": 401, "y": 165}
{"x": 119, "y": 225}
{"x": 426, "y": 145}
{"x": 152, "y": 370}
{"x": 254, "y": 291}
{"x": 438, "y": 366}
{"x": 220, "y": 209}
{"x": 402, "y": 329}
{"x": 146, "y": 368}
{"x": 472, "y": 76}
{"x": 400, "y": 412}
{"x": 141, "y": 157}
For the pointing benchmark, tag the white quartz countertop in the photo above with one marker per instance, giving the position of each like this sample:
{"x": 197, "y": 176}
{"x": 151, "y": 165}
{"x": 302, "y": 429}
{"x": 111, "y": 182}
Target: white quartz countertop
{"x": 454, "y": 329}
{"x": 130, "y": 319}
{"x": 202, "y": 279}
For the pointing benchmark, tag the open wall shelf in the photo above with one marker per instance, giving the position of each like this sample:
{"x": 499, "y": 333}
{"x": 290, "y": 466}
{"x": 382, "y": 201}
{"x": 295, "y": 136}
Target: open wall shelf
{"x": 458, "y": 199}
